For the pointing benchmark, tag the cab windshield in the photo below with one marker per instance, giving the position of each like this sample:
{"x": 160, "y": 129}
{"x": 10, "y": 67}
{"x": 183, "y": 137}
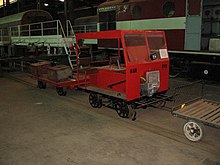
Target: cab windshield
{"x": 136, "y": 48}
{"x": 157, "y": 46}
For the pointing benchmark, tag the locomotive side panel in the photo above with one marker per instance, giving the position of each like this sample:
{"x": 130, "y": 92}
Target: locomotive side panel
{"x": 211, "y": 26}
{"x": 138, "y": 10}
{"x": 36, "y": 16}
{"x": 166, "y": 15}
{"x": 27, "y": 17}
{"x": 9, "y": 24}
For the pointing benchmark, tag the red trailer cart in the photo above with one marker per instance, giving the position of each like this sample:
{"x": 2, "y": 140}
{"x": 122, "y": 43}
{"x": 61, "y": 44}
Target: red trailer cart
{"x": 60, "y": 76}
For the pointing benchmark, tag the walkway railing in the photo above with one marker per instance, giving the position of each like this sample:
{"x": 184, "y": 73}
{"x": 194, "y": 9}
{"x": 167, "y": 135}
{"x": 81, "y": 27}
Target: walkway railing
{"x": 4, "y": 36}
{"x": 94, "y": 27}
{"x": 38, "y": 29}
{"x": 85, "y": 28}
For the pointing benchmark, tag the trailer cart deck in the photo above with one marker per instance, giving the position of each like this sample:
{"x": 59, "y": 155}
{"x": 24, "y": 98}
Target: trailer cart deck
{"x": 197, "y": 111}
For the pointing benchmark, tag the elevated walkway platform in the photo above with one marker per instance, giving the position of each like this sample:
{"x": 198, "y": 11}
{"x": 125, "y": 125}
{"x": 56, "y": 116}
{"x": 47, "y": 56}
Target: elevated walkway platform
{"x": 50, "y": 40}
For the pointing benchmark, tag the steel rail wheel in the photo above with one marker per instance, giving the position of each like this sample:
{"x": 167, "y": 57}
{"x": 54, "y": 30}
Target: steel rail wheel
{"x": 121, "y": 108}
{"x": 94, "y": 100}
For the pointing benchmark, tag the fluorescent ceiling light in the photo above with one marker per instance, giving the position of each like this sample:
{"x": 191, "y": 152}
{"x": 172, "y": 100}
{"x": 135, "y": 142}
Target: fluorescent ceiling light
{"x": 46, "y": 4}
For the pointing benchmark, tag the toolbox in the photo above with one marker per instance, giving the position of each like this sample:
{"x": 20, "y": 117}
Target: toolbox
{"x": 39, "y": 68}
{"x": 59, "y": 73}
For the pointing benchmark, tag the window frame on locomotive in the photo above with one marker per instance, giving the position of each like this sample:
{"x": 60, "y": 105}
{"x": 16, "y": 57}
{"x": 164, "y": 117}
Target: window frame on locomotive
{"x": 130, "y": 67}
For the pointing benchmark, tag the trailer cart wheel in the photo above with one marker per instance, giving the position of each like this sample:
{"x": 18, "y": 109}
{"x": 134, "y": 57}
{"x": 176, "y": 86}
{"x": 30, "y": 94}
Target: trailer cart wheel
{"x": 61, "y": 91}
{"x": 193, "y": 131}
{"x": 94, "y": 100}
{"x": 121, "y": 108}
{"x": 41, "y": 85}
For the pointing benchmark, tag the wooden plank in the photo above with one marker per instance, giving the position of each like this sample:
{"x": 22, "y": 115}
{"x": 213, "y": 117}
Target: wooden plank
{"x": 203, "y": 107}
{"x": 215, "y": 116}
{"x": 187, "y": 110}
{"x": 205, "y": 111}
{"x": 199, "y": 108}
{"x": 188, "y": 107}
{"x": 216, "y": 121}
{"x": 204, "y": 115}
{"x": 212, "y": 112}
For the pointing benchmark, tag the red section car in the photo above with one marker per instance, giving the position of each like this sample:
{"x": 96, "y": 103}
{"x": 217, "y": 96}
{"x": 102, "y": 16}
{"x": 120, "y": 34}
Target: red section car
{"x": 137, "y": 69}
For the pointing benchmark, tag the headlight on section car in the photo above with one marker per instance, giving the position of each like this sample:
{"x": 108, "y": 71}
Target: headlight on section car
{"x": 152, "y": 83}
{"x": 153, "y": 56}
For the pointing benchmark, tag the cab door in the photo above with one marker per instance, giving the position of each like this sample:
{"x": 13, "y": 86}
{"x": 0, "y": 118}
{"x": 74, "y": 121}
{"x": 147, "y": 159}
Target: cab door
{"x": 193, "y": 24}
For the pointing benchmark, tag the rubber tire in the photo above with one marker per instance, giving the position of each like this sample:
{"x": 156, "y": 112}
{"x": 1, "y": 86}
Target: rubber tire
{"x": 61, "y": 91}
{"x": 41, "y": 85}
{"x": 193, "y": 131}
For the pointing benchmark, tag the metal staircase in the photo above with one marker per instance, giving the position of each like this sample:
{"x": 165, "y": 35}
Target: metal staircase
{"x": 70, "y": 47}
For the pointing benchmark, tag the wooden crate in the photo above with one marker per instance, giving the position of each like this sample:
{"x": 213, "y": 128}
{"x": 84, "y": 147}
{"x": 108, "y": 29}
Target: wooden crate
{"x": 59, "y": 73}
{"x": 39, "y": 68}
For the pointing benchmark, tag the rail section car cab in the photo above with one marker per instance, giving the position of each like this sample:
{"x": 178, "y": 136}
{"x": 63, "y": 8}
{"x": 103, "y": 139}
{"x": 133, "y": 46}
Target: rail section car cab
{"x": 138, "y": 67}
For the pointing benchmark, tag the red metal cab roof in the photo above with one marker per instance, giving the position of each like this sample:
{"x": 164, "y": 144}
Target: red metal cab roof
{"x": 111, "y": 34}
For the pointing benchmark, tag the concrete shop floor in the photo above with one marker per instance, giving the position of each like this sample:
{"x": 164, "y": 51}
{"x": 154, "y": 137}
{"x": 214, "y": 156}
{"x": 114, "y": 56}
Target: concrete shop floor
{"x": 39, "y": 127}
